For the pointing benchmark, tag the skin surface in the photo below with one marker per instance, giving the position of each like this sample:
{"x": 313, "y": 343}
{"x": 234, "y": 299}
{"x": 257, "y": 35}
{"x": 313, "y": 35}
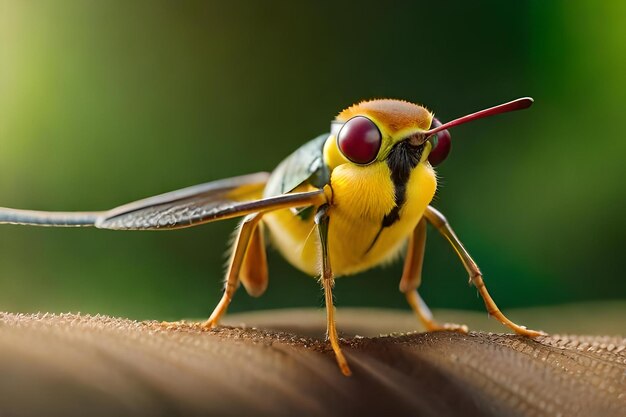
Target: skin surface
{"x": 73, "y": 365}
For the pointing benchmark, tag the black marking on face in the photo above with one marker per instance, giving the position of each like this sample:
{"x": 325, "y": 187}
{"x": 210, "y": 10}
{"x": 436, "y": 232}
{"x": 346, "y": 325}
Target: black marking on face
{"x": 401, "y": 161}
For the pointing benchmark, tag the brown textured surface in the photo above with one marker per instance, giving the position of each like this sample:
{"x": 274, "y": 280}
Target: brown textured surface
{"x": 96, "y": 365}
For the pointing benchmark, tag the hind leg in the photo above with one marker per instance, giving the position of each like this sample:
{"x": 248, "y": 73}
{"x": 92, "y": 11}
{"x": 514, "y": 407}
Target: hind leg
{"x": 246, "y": 238}
{"x": 242, "y": 242}
{"x": 254, "y": 275}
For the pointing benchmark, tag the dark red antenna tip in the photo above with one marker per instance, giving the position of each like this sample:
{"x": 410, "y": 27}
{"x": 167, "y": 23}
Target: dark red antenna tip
{"x": 519, "y": 104}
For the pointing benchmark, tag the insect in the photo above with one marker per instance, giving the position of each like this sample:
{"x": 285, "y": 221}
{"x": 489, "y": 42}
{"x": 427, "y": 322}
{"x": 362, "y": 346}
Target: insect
{"x": 342, "y": 203}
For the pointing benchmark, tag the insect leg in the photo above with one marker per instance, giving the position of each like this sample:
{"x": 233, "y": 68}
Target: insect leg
{"x": 328, "y": 281}
{"x": 254, "y": 275}
{"x": 439, "y": 221}
{"x": 242, "y": 242}
{"x": 412, "y": 272}
{"x": 412, "y": 278}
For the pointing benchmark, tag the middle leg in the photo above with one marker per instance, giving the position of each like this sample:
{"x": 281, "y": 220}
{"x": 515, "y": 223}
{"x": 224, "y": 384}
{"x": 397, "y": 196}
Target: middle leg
{"x": 412, "y": 278}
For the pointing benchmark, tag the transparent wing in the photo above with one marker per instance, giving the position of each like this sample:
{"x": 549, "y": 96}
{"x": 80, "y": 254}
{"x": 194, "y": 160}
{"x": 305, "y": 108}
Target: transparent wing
{"x": 48, "y": 218}
{"x": 196, "y": 210}
{"x": 180, "y": 208}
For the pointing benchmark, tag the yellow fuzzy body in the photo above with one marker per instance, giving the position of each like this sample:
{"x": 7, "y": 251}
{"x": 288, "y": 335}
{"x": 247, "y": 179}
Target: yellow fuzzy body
{"x": 361, "y": 197}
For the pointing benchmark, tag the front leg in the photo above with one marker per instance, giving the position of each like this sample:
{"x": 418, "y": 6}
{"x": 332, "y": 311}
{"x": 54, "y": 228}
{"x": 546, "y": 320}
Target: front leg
{"x": 328, "y": 281}
{"x": 412, "y": 278}
{"x": 439, "y": 221}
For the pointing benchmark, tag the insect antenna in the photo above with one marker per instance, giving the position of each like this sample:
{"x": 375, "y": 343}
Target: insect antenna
{"x": 518, "y": 104}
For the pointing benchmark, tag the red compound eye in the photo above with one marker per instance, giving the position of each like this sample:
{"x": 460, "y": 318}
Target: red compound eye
{"x": 359, "y": 140}
{"x": 441, "y": 145}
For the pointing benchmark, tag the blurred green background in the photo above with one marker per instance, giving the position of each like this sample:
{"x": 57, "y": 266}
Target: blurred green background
{"x": 102, "y": 103}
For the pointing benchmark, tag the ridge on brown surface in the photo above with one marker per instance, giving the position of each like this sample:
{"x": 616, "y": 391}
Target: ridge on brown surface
{"x": 71, "y": 364}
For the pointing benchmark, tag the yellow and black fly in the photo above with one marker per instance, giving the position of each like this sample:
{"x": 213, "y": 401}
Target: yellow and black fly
{"x": 342, "y": 203}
